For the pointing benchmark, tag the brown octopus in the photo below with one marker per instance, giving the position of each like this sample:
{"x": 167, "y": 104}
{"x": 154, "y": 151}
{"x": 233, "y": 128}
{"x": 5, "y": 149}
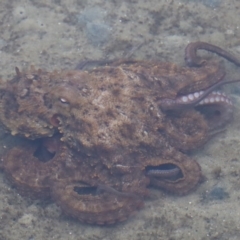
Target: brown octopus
{"x": 123, "y": 127}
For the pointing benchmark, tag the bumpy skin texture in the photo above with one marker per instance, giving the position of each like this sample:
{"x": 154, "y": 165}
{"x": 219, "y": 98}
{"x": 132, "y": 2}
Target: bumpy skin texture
{"x": 77, "y": 184}
{"x": 113, "y": 134}
{"x": 117, "y": 107}
{"x": 112, "y": 107}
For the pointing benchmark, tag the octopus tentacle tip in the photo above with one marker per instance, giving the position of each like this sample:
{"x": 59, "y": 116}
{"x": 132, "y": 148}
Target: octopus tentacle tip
{"x": 193, "y": 60}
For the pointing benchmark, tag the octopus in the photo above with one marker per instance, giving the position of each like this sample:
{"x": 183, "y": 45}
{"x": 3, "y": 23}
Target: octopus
{"x": 99, "y": 139}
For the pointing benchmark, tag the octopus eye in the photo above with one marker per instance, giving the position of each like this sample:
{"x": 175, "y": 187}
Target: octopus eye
{"x": 64, "y": 100}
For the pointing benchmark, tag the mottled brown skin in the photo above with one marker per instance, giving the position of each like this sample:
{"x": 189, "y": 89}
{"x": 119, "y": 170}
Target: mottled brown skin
{"x": 86, "y": 188}
{"x": 118, "y": 108}
{"x": 112, "y": 130}
{"x": 112, "y": 115}
{"x": 103, "y": 108}
{"x": 82, "y": 186}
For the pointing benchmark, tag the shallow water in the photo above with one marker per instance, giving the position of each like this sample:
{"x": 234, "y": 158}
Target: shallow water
{"x": 59, "y": 35}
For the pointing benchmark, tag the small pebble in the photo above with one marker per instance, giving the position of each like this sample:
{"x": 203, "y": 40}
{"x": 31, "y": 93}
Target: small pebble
{"x": 97, "y": 30}
{"x": 19, "y": 13}
{"x": 218, "y": 193}
{"x": 212, "y": 3}
{"x": 91, "y": 15}
{"x": 26, "y": 219}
